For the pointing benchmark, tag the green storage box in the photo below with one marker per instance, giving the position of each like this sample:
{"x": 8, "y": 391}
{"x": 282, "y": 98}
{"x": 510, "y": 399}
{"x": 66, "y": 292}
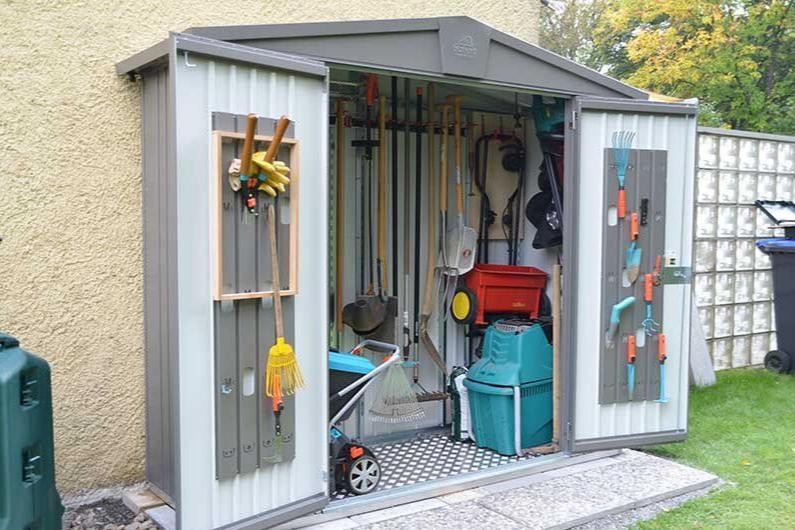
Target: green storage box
{"x": 28, "y": 498}
{"x": 492, "y": 415}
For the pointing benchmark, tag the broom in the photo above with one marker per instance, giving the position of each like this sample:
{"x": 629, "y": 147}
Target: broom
{"x": 282, "y": 368}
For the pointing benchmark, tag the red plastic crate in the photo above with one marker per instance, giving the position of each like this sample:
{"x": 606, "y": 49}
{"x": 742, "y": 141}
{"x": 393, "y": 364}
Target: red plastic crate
{"x": 506, "y": 289}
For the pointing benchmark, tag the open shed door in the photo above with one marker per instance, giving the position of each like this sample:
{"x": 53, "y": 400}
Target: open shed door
{"x": 236, "y": 469}
{"x": 609, "y": 409}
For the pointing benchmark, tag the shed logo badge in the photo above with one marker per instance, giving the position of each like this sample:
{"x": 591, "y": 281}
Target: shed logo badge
{"x": 465, "y": 47}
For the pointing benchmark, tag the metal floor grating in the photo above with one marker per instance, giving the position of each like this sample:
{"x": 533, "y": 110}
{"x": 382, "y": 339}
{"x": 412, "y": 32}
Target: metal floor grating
{"x": 429, "y": 457}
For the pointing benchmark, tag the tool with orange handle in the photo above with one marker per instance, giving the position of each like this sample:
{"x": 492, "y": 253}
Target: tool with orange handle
{"x": 631, "y": 358}
{"x": 634, "y": 252}
{"x": 651, "y": 326}
{"x": 277, "y": 404}
{"x": 248, "y": 175}
{"x": 662, "y": 356}
{"x": 622, "y": 143}
{"x": 657, "y": 270}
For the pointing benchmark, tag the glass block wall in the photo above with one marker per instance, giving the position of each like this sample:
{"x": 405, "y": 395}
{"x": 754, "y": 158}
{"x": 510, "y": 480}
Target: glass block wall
{"x": 733, "y": 282}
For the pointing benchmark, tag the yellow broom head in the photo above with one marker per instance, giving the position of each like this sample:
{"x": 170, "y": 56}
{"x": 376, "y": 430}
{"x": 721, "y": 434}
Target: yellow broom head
{"x": 282, "y": 370}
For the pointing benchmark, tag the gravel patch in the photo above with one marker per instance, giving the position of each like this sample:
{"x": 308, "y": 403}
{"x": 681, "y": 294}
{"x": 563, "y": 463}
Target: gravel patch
{"x": 106, "y": 514}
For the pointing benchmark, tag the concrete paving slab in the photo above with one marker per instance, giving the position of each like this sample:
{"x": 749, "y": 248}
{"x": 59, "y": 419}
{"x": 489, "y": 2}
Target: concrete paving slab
{"x": 463, "y": 516}
{"x": 397, "y": 511}
{"x": 462, "y": 496}
{"x": 164, "y": 516}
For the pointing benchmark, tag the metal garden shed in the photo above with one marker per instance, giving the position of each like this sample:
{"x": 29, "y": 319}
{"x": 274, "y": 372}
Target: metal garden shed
{"x": 208, "y": 310}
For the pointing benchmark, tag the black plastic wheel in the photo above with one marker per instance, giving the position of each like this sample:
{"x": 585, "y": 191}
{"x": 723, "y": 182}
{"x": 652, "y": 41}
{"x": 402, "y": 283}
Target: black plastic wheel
{"x": 778, "y": 361}
{"x": 363, "y": 475}
{"x": 465, "y": 305}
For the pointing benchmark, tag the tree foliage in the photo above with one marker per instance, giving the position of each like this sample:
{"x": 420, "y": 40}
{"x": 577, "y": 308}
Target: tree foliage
{"x": 736, "y": 56}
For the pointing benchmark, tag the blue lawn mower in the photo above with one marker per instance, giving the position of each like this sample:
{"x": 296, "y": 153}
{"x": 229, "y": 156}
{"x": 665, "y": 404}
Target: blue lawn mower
{"x": 356, "y": 467}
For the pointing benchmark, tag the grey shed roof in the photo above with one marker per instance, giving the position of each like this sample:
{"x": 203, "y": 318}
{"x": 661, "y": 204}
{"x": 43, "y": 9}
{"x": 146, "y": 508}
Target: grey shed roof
{"x": 454, "y": 48}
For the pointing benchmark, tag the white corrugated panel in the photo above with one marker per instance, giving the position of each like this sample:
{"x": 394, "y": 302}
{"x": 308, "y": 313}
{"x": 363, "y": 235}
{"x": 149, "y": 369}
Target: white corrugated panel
{"x": 676, "y": 134}
{"x": 204, "y": 86}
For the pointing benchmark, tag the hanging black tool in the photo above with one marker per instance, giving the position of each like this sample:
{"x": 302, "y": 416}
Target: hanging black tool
{"x": 368, "y": 312}
{"x": 487, "y": 215}
{"x": 513, "y": 161}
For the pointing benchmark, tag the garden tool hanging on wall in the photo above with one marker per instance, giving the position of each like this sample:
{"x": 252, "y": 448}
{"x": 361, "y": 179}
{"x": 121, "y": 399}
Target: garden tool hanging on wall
{"x": 430, "y": 270}
{"x": 632, "y": 356}
{"x": 615, "y": 320}
{"x": 248, "y": 180}
{"x": 372, "y": 316}
{"x": 634, "y": 252}
{"x": 650, "y": 326}
{"x": 662, "y": 356}
{"x": 622, "y": 143}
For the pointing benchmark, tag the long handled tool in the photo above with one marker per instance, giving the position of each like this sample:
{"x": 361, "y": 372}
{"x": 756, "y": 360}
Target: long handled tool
{"x": 615, "y": 320}
{"x": 277, "y": 405}
{"x": 444, "y": 270}
{"x": 631, "y": 358}
{"x": 622, "y": 143}
{"x": 461, "y": 240}
{"x": 430, "y": 270}
{"x": 340, "y": 225}
{"x": 417, "y": 233}
{"x": 662, "y": 356}
{"x": 634, "y": 252}
{"x": 283, "y": 374}
{"x": 650, "y": 326}
{"x": 248, "y": 174}
{"x": 406, "y": 219}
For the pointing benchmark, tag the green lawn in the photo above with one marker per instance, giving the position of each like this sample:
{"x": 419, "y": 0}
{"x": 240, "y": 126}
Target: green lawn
{"x": 743, "y": 430}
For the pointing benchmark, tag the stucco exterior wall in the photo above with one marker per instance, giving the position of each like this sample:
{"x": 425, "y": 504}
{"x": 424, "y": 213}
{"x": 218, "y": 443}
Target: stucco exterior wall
{"x": 70, "y": 196}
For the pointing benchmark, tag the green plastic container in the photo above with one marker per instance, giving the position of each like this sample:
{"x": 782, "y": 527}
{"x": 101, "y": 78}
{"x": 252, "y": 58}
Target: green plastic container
{"x": 491, "y": 410}
{"x": 28, "y": 498}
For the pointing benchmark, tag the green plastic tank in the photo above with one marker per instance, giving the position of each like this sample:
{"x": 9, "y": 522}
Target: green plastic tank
{"x": 28, "y": 498}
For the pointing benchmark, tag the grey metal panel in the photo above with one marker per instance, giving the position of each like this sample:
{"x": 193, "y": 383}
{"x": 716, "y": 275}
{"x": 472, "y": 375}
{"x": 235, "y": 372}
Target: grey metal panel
{"x": 444, "y": 46}
{"x": 635, "y": 440}
{"x": 160, "y": 324}
{"x": 645, "y": 178}
{"x": 464, "y": 46}
{"x": 280, "y": 515}
{"x": 635, "y": 106}
{"x": 244, "y": 329}
{"x": 225, "y": 50}
{"x": 746, "y": 134}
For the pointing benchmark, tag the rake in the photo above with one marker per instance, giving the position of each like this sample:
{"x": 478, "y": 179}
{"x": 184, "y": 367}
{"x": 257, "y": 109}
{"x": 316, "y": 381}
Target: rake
{"x": 622, "y": 143}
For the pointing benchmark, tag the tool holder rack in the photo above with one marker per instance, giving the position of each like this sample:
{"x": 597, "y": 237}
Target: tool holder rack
{"x": 243, "y": 305}
{"x": 645, "y": 178}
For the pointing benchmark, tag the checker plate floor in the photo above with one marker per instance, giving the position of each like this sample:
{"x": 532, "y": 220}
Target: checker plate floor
{"x": 429, "y": 457}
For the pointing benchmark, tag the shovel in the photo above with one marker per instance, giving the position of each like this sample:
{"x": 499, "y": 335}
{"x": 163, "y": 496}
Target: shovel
{"x": 634, "y": 253}
{"x": 461, "y": 239}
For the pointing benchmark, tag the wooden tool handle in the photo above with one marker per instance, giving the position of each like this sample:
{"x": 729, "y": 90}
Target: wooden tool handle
{"x": 444, "y": 160}
{"x": 340, "y": 207}
{"x": 634, "y": 227}
{"x": 427, "y": 301}
{"x": 662, "y": 354}
{"x": 273, "y": 148}
{"x": 277, "y": 294}
{"x": 382, "y": 190}
{"x": 457, "y": 132}
{"x": 631, "y": 349}
{"x": 248, "y": 145}
{"x": 648, "y": 287}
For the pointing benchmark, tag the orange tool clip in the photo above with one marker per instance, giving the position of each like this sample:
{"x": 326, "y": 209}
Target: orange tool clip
{"x": 372, "y": 88}
{"x": 631, "y": 350}
{"x": 661, "y": 350}
{"x": 648, "y": 287}
{"x": 634, "y": 231}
